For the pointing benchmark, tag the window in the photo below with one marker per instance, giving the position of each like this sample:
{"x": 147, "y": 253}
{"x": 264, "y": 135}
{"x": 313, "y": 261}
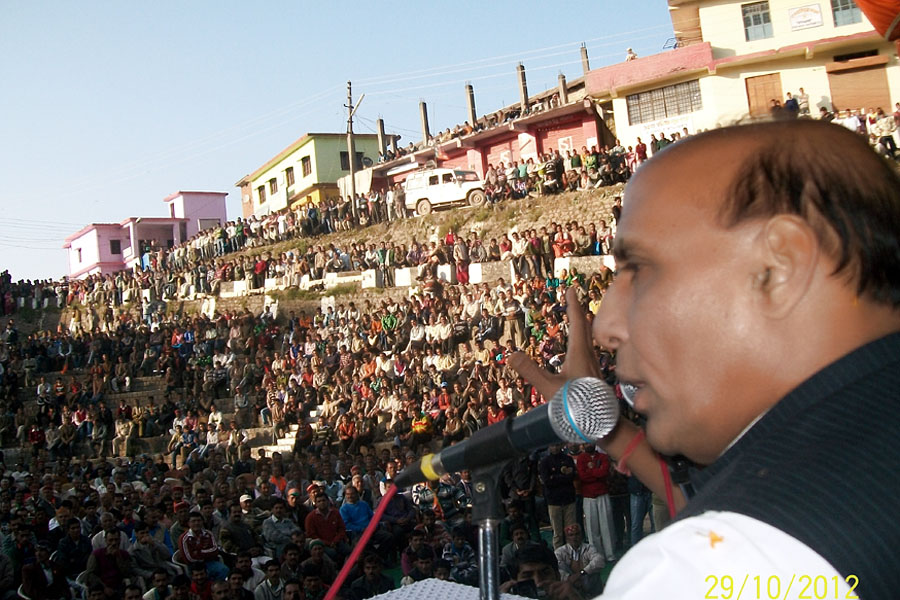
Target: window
{"x": 345, "y": 162}
{"x": 845, "y": 12}
{"x": 306, "y": 165}
{"x": 433, "y": 180}
{"x": 79, "y": 255}
{"x": 115, "y": 246}
{"x": 664, "y": 102}
{"x": 447, "y": 177}
{"x": 289, "y": 176}
{"x": 261, "y": 190}
{"x": 273, "y": 186}
{"x": 757, "y": 24}
{"x": 854, "y": 55}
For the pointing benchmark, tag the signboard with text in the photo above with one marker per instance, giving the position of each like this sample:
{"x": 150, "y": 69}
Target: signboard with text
{"x": 805, "y": 17}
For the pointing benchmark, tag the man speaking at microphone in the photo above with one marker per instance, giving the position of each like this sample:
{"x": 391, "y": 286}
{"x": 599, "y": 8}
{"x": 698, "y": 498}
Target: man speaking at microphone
{"x": 756, "y": 312}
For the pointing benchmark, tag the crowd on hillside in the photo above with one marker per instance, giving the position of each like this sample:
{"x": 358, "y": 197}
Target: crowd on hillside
{"x": 370, "y": 386}
{"x": 191, "y": 270}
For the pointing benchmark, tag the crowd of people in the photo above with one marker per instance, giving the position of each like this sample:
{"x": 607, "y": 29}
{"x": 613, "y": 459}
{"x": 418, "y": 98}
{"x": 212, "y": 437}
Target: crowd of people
{"x": 554, "y": 172}
{"x": 200, "y": 266}
{"x": 369, "y": 386}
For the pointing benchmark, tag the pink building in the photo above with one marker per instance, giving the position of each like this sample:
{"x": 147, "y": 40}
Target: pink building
{"x": 111, "y": 247}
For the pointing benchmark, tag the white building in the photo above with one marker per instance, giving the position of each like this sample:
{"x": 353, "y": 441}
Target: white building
{"x": 734, "y": 58}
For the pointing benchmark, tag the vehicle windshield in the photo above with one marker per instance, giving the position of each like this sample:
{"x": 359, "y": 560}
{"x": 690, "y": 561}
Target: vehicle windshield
{"x": 467, "y": 175}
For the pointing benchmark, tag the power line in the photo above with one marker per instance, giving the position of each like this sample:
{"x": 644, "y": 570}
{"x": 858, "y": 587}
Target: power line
{"x": 507, "y": 62}
{"x": 29, "y": 247}
{"x": 171, "y": 156}
{"x": 195, "y": 149}
{"x": 17, "y": 219}
{"x": 181, "y": 149}
{"x": 381, "y": 79}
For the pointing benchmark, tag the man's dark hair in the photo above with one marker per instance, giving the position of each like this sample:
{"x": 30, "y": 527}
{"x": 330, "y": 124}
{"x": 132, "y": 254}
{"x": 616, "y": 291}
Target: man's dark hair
{"x": 516, "y": 525}
{"x": 72, "y": 521}
{"x": 372, "y": 559}
{"x": 198, "y": 566}
{"x": 829, "y": 177}
{"x": 535, "y": 553}
{"x": 290, "y": 546}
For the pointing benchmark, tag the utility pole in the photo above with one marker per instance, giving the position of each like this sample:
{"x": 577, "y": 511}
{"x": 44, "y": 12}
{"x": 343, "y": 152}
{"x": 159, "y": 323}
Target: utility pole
{"x": 351, "y": 148}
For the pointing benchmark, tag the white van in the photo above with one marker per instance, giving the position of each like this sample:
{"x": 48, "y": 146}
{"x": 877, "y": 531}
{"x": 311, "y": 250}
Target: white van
{"x": 437, "y": 187}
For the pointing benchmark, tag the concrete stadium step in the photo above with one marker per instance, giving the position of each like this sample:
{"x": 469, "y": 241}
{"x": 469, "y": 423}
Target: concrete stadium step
{"x": 134, "y": 397}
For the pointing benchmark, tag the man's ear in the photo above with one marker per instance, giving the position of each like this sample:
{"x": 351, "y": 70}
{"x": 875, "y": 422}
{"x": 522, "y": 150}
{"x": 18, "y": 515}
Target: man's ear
{"x": 790, "y": 252}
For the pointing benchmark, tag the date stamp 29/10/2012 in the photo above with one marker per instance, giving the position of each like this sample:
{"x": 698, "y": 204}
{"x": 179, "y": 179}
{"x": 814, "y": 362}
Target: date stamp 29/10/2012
{"x": 778, "y": 587}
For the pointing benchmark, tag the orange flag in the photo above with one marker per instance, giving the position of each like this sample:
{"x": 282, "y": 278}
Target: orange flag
{"x": 884, "y": 16}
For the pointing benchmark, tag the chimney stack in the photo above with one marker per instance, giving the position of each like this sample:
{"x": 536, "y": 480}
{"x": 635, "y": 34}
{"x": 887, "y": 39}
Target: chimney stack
{"x": 380, "y": 127}
{"x": 523, "y": 88}
{"x": 470, "y": 103}
{"x": 563, "y": 90}
{"x": 423, "y": 113}
{"x": 585, "y": 63}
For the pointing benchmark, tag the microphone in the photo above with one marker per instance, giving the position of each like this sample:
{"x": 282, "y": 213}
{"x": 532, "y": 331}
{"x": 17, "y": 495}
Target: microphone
{"x": 582, "y": 410}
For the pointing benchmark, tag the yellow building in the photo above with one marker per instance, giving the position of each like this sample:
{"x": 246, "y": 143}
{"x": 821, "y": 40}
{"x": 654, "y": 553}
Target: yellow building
{"x": 306, "y": 171}
{"x": 733, "y": 59}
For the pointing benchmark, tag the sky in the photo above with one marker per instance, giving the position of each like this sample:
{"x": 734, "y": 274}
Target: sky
{"x": 106, "y": 108}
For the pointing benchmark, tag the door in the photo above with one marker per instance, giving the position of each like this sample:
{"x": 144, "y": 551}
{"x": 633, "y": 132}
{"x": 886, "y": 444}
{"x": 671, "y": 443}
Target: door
{"x": 761, "y": 91}
{"x": 860, "y": 88}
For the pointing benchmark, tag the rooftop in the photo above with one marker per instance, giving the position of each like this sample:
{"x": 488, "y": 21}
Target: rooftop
{"x": 304, "y": 139}
{"x": 174, "y": 195}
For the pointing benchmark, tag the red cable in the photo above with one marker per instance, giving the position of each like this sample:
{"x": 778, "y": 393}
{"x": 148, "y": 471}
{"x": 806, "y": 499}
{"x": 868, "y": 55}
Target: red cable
{"x": 361, "y": 545}
{"x": 629, "y": 449}
{"x": 667, "y": 481}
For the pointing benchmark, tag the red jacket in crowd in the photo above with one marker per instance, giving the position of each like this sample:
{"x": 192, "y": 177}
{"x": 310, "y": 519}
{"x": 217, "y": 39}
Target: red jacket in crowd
{"x": 200, "y": 547}
{"x": 593, "y": 472}
{"x": 328, "y": 527}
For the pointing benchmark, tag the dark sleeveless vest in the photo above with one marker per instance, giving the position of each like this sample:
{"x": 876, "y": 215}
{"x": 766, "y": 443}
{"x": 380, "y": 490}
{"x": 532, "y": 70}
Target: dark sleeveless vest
{"x": 822, "y": 466}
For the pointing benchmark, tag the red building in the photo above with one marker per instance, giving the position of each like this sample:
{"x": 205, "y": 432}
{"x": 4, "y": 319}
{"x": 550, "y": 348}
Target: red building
{"x": 558, "y": 119}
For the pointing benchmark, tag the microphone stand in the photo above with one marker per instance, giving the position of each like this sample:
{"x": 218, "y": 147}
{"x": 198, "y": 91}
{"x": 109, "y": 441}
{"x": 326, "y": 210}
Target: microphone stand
{"x": 487, "y": 512}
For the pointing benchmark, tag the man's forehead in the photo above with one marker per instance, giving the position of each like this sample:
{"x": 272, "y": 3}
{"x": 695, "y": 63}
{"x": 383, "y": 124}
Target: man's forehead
{"x": 680, "y": 192}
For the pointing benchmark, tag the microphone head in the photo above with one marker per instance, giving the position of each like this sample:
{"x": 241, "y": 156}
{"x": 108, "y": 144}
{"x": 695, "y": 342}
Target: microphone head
{"x": 628, "y": 391}
{"x": 584, "y": 410}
